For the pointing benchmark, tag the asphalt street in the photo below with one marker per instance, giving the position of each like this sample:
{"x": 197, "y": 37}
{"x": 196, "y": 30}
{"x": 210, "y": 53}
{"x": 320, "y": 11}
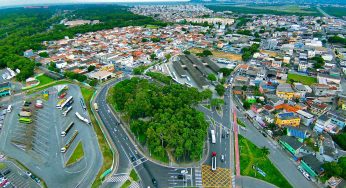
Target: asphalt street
{"x": 277, "y": 156}
{"x": 129, "y": 155}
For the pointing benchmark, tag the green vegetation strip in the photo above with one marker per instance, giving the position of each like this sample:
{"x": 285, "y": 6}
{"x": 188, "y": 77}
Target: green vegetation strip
{"x": 240, "y": 123}
{"x": 42, "y": 87}
{"x": 306, "y": 80}
{"x": 2, "y": 166}
{"x": 126, "y": 184}
{"x": 77, "y": 154}
{"x": 134, "y": 175}
{"x": 251, "y": 155}
{"x": 106, "y": 151}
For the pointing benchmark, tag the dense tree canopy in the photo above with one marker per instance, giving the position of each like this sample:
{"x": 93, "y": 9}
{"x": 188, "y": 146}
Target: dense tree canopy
{"x": 163, "y": 117}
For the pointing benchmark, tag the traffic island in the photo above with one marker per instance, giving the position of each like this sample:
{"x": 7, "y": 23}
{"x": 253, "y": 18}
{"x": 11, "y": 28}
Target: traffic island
{"x": 255, "y": 163}
{"x": 76, "y": 156}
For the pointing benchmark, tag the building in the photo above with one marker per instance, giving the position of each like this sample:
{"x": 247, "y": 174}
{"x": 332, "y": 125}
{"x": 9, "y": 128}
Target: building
{"x": 5, "y": 89}
{"x": 306, "y": 118}
{"x": 285, "y": 91}
{"x": 101, "y": 75}
{"x": 311, "y": 165}
{"x": 287, "y": 119}
{"x": 29, "y": 53}
{"x": 291, "y": 144}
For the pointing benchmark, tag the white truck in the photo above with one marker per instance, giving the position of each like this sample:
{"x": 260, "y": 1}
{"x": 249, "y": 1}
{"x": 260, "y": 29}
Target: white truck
{"x": 213, "y": 138}
{"x": 68, "y": 128}
{"x": 82, "y": 118}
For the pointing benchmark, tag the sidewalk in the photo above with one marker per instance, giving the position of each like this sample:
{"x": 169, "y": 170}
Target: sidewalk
{"x": 250, "y": 182}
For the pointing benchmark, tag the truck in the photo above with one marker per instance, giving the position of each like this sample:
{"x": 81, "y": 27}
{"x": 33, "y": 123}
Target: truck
{"x": 60, "y": 103}
{"x": 82, "y": 118}
{"x": 96, "y": 107}
{"x": 9, "y": 108}
{"x": 68, "y": 144}
{"x": 67, "y": 103}
{"x": 213, "y": 161}
{"x": 24, "y": 114}
{"x": 82, "y": 103}
{"x": 68, "y": 128}
{"x": 213, "y": 139}
{"x": 67, "y": 111}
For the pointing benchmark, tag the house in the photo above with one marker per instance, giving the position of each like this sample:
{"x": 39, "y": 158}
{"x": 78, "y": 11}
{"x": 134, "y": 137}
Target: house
{"x": 327, "y": 148}
{"x": 5, "y": 89}
{"x": 317, "y": 108}
{"x": 331, "y": 122}
{"x": 266, "y": 87}
{"x": 306, "y": 118}
{"x": 291, "y": 144}
{"x": 268, "y": 117}
{"x": 324, "y": 90}
{"x": 29, "y": 53}
{"x": 298, "y": 132}
{"x": 342, "y": 101}
{"x": 287, "y": 119}
{"x": 301, "y": 90}
{"x": 311, "y": 165}
{"x": 285, "y": 91}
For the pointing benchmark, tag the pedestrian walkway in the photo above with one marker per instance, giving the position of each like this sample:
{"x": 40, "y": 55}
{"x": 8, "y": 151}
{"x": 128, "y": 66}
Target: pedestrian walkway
{"x": 134, "y": 185}
{"x": 198, "y": 177}
{"x": 118, "y": 178}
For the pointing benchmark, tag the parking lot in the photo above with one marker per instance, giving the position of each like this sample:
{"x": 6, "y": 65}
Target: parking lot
{"x": 38, "y": 144}
{"x": 16, "y": 176}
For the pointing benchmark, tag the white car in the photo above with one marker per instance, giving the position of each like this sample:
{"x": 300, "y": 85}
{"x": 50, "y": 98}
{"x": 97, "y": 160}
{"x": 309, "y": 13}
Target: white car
{"x": 183, "y": 172}
{"x": 306, "y": 175}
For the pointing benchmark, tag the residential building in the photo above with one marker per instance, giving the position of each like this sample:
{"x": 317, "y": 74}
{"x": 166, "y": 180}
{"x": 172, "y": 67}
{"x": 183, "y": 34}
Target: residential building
{"x": 291, "y": 144}
{"x": 306, "y": 118}
{"x": 285, "y": 91}
{"x": 287, "y": 119}
{"x": 311, "y": 165}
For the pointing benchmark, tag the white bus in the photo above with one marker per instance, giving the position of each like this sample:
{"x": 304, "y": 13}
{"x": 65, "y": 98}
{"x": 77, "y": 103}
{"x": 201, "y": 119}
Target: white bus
{"x": 82, "y": 118}
{"x": 67, "y": 111}
{"x": 96, "y": 106}
{"x": 67, "y": 103}
{"x": 213, "y": 139}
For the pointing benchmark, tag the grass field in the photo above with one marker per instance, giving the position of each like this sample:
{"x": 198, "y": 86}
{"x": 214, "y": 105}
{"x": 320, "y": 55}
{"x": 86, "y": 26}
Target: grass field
{"x": 152, "y": 26}
{"x": 306, "y": 80}
{"x": 276, "y": 10}
{"x": 335, "y": 11}
{"x": 251, "y": 155}
{"x": 44, "y": 79}
{"x": 218, "y": 54}
{"x": 45, "y": 86}
{"x": 240, "y": 123}
{"x": 77, "y": 154}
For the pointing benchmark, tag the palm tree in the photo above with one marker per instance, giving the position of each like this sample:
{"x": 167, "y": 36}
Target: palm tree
{"x": 265, "y": 150}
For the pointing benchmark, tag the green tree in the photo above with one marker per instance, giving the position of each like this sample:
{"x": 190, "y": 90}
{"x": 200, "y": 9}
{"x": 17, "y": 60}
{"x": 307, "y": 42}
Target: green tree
{"x": 186, "y": 52}
{"x": 220, "y": 89}
{"x": 207, "y": 53}
{"x": 43, "y": 54}
{"x": 152, "y": 56}
{"x": 246, "y": 105}
{"x": 225, "y": 71}
{"x": 93, "y": 82}
{"x": 212, "y": 77}
{"x": 216, "y": 102}
{"x": 91, "y": 68}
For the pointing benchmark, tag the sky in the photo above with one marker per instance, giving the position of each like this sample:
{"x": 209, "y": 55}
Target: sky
{"x": 32, "y": 2}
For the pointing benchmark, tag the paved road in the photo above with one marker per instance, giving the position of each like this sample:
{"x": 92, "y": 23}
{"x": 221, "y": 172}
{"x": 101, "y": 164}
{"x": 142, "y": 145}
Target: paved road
{"x": 277, "y": 155}
{"x": 165, "y": 176}
{"x": 324, "y": 13}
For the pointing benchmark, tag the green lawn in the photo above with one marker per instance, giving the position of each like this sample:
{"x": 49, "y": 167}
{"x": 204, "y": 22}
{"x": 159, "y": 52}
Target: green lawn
{"x": 335, "y": 11}
{"x": 306, "y": 80}
{"x": 126, "y": 184}
{"x": 77, "y": 154}
{"x": 42, "y": 87}
{"x": 240, "y": 123}
{"x": 152, "y": 26}
{"x": 134, "y": 175}
{"x": 44, "y": 79}
{"x": 2, "y": 166}
{"x": 251, "y": 155}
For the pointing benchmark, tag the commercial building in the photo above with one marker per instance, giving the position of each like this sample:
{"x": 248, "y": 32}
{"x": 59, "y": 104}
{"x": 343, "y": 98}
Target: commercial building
{"x": 101, "y": 75}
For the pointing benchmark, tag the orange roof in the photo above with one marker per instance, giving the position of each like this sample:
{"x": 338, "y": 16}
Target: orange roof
{"x": 287, "y": 107}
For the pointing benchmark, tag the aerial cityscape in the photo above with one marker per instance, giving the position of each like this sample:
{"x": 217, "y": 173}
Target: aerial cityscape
{"x": 160, "y": 94}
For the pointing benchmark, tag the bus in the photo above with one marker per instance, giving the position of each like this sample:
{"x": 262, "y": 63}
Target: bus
{"x": 213, "y": 139}
{"x": 67, "y": 103}
{"x": 96, "y": 106}
{"x": 82, "y": 118}
{"x": 25, "y": 120}
{"x": 60, "y": 103}
{"x": 213, "y": 161}
{"x": 67, "y": 111}
{"x": 68, "y": 128}
{"x": 68, "y": 144}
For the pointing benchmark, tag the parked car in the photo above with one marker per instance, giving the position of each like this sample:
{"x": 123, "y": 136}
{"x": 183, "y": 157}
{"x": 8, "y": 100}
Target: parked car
{"x": 180, "y": 176}
{"x": 154, "y": 181}
{"x": 7, "y": 171}
{"x": 222, "y": 158}
{"x": 184, "y": 172}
